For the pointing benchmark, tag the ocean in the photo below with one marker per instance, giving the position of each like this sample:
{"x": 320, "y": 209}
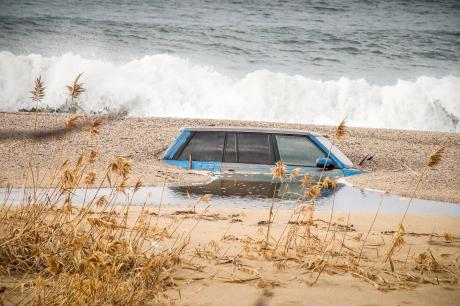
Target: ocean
{"x": 390, "y": 64}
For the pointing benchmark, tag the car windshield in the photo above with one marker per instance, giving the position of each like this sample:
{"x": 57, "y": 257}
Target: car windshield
{"x": 335, "y": 151}
{"x": 298, "y": 150}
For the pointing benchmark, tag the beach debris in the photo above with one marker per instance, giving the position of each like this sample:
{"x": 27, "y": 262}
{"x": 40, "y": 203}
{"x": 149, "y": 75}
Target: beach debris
{"x": 184, "y": 212}
{"x": 367, "y": 157}
{"x": 263, "y": 222}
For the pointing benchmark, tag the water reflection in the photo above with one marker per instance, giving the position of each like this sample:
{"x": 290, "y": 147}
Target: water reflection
{"x": 250, "y": 191}
{"x": 251, "y": 186}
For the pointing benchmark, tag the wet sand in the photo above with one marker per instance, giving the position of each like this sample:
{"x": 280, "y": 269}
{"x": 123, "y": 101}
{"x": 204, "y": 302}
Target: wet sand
{"x": 292, "y": 285}
{"x": 222, "y": 265}
{"x": 398, "y": 156}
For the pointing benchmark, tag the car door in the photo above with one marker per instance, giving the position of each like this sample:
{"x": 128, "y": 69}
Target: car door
{"x": 204, "y": 151}
{"x": 298, "y": 151}
{"x": 248, "y": 153}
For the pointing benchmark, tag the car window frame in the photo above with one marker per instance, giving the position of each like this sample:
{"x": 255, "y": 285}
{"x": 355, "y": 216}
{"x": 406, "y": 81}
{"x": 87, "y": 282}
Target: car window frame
{"x": 272, "y": 155}
{"x": 186, "y": 143}
{"x": 274, "y": 150}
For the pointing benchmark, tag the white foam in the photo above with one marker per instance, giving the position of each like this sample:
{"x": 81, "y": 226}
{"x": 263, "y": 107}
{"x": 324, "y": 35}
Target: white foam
{"x": 165, "y": 85}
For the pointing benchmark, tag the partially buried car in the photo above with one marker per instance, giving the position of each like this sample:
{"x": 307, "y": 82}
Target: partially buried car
{"x": 256, "y": 150}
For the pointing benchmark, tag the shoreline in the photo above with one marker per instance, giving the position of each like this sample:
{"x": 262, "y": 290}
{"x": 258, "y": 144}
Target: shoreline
{"x": 353, "y": 201}
{"x": 397, "y": 155}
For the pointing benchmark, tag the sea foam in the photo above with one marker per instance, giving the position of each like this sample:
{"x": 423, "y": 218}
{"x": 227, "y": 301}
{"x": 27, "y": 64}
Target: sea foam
{"x": 168, "y": 86}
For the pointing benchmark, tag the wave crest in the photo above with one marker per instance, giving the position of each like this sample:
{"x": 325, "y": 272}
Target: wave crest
{"x": 169, "y": 86}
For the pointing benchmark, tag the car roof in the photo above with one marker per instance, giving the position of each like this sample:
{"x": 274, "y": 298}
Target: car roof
{"x": 249, "y": 130}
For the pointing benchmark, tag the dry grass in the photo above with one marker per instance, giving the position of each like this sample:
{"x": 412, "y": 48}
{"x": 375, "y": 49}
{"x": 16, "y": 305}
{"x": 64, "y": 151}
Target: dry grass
{"x": 55, "y": 252}
{"x": 75, "y": 90}
{"x": 38, "y": 92}
{"x": 61, "y": 254}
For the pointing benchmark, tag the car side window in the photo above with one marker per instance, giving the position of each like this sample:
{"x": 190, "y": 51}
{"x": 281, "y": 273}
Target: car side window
{"x": 254, "y": 148}
{"x": 298, "y": 150}
{"x": 204, "y": 146}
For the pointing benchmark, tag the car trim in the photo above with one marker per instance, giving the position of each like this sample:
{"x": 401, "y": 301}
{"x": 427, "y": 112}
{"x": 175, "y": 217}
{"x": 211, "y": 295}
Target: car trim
{"x": 329, "y": 153}
{"x": 177, "y": 145}
{"x": 250, "y": 130}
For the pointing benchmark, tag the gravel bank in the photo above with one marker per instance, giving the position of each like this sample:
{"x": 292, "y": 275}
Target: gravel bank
{"x": 399, "y": 156}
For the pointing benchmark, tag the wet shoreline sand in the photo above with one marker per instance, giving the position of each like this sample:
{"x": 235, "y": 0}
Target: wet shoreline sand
{"x": 398, "y": 156}
{"x": 221, "y": 262}
{"x": 291, "y": 285}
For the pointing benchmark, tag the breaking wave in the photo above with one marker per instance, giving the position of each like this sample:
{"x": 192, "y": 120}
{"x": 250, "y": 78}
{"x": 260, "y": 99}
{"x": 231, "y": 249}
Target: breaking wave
{"x": 168, "y": 86}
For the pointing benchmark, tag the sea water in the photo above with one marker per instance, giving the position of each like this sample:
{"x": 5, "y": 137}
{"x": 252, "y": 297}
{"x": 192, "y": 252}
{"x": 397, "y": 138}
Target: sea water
{"x": 392, "y": 64}
{"x": 239, "y": 192}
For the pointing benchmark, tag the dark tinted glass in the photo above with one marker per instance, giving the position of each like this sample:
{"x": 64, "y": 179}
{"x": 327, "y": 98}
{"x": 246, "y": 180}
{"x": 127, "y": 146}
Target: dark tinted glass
{"x": 298, "y": 150}
{"x": 230, "y": 149}
{"x": 254, "y": 149}
{"x": 204, "y": 146}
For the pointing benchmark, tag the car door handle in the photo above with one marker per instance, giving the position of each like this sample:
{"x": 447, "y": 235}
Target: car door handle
{"x": 231, "y": 170}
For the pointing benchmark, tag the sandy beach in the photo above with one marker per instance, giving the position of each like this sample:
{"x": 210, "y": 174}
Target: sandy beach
{"x": 290, "y": 286}
{"x": 398, "y": 156}
{"x": 92, "y": 93}
{"x": 225, "y": 255}
{"x": 223, "y": 260}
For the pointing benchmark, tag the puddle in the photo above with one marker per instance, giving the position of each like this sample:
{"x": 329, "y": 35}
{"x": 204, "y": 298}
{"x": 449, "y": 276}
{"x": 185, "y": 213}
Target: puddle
{"x": 256, "y": 191}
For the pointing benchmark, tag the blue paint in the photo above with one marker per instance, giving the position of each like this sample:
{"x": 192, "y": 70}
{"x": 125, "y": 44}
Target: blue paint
{"x": 177, "y": 163}
{"x": 169, "y": 154}
{"x": 345, "y": 171}
{"x": 324, "y": 162}
{"x": 337, "y": 161}
{"x": 196, "y": 165}
{"x": 350, "y": 172}
{"x": 206, "y": 165}
{"x": 184, "y": 164}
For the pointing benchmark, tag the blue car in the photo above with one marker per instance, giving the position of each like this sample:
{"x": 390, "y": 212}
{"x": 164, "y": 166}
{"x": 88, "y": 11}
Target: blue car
{"x": 229, "y": 150}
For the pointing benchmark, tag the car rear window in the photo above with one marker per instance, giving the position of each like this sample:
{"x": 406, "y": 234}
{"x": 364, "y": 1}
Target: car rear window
{"x": 254, "y": 148}
{"x": 298, "y": 150}
{"x": 204, "y": 146}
